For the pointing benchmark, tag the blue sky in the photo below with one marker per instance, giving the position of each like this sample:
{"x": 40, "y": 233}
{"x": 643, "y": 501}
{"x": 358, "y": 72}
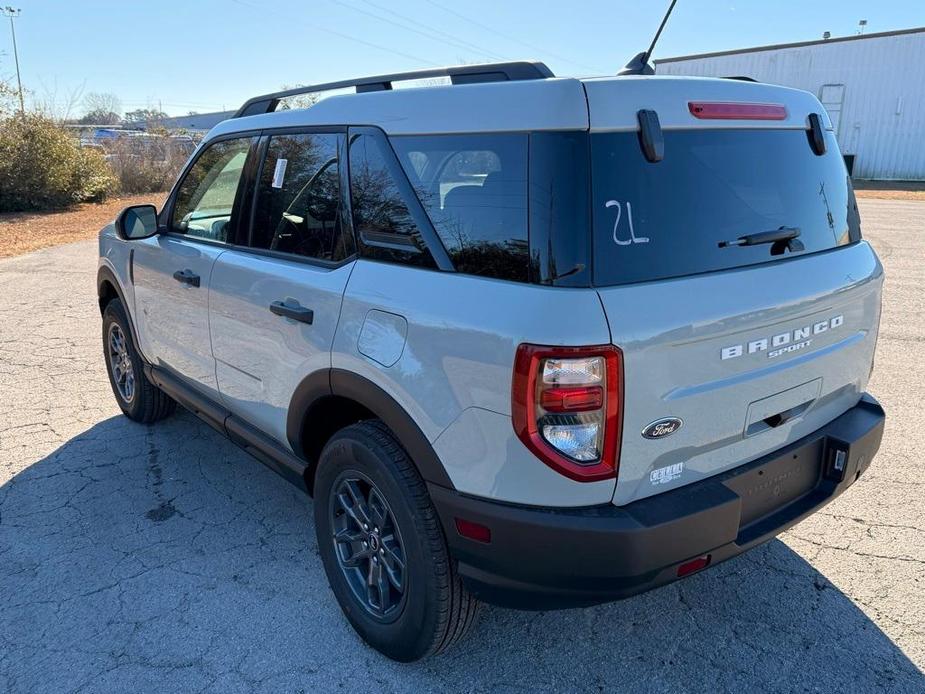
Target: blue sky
{"x": 202, "y": 55}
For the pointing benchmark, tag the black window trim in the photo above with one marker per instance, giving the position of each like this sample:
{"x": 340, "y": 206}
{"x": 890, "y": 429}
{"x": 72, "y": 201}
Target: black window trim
{"x": 253, "y": 168}
{"x": 265, "y": 135}
{"x": 421, "y": 219}
{"x": 251, "y": 175}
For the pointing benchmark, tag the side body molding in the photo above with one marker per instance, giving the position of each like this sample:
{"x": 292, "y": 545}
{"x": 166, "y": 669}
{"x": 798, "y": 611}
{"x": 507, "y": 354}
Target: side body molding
{"x": 308, "y": 406}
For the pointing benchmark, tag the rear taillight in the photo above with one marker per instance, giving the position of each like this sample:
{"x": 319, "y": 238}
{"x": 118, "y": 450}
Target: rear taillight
{"x": 722, "y": 110}
{"x": 567, "y": 407}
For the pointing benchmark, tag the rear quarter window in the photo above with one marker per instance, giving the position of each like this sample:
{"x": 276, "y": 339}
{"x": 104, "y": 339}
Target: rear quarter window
{"x": 385, "y": 225}
{"x": 667, "y": 219}
{"x": 474, "y": 189}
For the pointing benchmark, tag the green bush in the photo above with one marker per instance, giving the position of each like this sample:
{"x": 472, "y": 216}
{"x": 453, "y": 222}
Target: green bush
{"x": 43, "y": 167}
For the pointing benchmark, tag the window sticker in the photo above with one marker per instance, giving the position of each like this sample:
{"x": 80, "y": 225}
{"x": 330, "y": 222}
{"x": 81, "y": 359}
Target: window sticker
{"x": 279, "y": 173}
{"x": 629, "y": 220}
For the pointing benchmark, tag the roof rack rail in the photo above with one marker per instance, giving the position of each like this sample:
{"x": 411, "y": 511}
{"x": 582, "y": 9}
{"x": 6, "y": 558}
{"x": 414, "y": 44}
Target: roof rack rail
{"x": 458, "y": 74}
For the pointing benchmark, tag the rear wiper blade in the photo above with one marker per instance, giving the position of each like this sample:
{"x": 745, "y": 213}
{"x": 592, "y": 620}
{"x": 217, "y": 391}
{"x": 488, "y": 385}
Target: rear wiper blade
{"x": 782, "y": 235}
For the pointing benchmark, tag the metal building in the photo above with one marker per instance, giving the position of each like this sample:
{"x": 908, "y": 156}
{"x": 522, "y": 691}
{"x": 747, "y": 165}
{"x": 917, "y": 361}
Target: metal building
{"x": 872, "y": 85}
{"x": 195, "y": 122}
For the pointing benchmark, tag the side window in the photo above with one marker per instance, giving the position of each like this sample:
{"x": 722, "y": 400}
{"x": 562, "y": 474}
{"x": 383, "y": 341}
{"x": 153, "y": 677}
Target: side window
{"x": 205, "y": 203}
{"x": 298, "y": 208}
{"x": 385, "y": 227}
{"x": 474, "y": 188}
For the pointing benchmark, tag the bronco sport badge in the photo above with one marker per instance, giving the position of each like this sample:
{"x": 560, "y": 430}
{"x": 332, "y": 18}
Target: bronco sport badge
{"x": 783, "y": 343}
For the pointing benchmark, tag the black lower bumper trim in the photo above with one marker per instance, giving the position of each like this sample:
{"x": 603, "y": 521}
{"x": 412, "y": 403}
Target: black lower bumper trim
{"x": 546, "y": 558}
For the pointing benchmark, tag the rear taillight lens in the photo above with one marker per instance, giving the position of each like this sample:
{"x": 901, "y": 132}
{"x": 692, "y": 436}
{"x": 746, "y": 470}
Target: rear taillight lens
{"x": 567, "y": 407}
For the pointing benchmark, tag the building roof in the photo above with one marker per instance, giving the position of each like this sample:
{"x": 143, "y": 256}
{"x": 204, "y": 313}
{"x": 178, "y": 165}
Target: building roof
{"x": 778, "y": 46}
{"x": 197, "y": 121}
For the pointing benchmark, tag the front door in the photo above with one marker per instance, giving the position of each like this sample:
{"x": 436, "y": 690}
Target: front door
{"x": 274, "y": 304}
{"x": 172, "y": 270}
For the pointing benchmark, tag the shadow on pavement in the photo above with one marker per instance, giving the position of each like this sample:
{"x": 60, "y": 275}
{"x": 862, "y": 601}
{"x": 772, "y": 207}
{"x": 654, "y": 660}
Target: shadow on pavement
{"x": 162, "y": 558}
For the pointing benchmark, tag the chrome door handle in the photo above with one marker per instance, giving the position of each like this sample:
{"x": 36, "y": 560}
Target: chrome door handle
{"x": 299, "y": 313}
{"x": 187, "y": 277}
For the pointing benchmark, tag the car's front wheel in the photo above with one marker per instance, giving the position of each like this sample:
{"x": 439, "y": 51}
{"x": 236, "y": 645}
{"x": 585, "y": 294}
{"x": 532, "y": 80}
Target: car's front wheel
{"x": 138, "y": 398}
{"x": 383, "y": 548}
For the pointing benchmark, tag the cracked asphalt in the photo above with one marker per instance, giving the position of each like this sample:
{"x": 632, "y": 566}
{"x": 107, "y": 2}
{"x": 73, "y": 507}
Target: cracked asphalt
{"x": 162, "y": 558}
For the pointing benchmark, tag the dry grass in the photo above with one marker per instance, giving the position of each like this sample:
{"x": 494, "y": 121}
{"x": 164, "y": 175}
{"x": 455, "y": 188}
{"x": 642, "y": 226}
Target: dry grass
{"x": 22, "y": 232}
{"x": 890, "y": 190}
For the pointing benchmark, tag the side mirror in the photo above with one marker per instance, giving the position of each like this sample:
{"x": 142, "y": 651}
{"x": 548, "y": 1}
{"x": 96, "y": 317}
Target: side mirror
{"x": 137, "y": 222}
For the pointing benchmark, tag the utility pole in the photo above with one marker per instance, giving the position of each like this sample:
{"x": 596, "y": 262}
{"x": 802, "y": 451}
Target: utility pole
{"x": 12, "y": 13}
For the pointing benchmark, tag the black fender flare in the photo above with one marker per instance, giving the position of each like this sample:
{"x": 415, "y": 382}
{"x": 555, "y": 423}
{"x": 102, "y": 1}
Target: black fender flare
{"x": 352, "y": 386}
{"x": 104, "y": 275}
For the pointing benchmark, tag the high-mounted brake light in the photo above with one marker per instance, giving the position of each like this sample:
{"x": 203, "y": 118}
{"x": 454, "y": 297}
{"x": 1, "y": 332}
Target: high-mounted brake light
{"x": 720, "y": 110}
{"x": 567, "y": 407}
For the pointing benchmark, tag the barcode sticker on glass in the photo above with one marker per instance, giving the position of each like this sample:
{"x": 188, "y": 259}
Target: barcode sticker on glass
{"x": 279, "y": 173}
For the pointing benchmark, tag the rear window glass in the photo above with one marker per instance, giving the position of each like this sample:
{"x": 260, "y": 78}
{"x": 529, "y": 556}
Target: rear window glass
{"x": 474, "y": 189}
{"x": 667, "y": 219}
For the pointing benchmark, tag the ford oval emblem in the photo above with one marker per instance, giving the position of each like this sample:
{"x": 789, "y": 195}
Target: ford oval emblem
{"x": 662, "y": 427}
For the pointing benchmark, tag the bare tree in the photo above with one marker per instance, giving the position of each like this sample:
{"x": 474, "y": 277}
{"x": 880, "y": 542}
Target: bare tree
{"x": 56, "y": 103}
{"x": 142, "y": 116}
{"x": 7, "y": 99}
{"x": 101, "y": 109}
{"x": 299, "y": 101}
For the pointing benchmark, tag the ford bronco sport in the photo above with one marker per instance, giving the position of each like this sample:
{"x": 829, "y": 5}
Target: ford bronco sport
{"x": 535, "y": 341}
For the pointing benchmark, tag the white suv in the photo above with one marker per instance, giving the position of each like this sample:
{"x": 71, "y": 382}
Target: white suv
{"x": 542, "y": 342}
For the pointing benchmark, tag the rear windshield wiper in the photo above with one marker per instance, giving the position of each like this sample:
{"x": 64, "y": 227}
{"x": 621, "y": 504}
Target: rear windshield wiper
{"x": 781, "y": 238}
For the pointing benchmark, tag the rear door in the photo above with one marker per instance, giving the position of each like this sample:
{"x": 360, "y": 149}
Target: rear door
{"x": 276, "y": 298}
{"x": 171, "y": 271}
{"x": 739, "y": 349}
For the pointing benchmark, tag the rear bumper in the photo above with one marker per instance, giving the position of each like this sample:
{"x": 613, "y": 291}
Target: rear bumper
{"x": 543, "y": 558}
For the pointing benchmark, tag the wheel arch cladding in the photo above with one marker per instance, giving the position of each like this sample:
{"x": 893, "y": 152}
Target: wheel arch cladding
{"x": 328, "y": 400}
{"x": 107, "y": 288}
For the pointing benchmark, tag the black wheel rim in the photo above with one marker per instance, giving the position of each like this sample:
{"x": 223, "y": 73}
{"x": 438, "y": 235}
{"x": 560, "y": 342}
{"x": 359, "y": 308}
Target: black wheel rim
{"x": 368, "y": 546}
{"x": 120, "y": 363}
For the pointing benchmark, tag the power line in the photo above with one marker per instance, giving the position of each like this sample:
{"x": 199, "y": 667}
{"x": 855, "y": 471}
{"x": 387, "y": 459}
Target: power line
{"x": 185, "y": 104}
{"x": 426, "y": 34}
{"x": 509, "y": 37}
{"x": 346, "y": 37}
{"x": 444, "y": 36}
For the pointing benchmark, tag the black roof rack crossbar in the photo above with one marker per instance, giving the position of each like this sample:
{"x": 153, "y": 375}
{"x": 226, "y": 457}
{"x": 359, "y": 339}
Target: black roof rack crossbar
{"x": 458, "y": 74}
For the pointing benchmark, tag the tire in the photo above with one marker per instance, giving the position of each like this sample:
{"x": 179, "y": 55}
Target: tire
{"x": 144, "y": 402}
{"x": 433, "y": 610}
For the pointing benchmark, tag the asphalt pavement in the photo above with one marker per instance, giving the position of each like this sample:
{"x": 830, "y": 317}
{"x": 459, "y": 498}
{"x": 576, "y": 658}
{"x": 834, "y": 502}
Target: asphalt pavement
{"x": 163, "y": 559}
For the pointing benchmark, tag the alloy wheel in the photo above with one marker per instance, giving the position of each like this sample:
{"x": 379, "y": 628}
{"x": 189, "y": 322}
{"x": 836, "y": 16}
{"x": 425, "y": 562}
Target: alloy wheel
{"x": 368, "y": 546}
{"x": 120, "y": 363}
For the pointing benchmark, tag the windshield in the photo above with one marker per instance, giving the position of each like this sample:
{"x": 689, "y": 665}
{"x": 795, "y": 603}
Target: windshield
{"x": 668, "y": 218}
